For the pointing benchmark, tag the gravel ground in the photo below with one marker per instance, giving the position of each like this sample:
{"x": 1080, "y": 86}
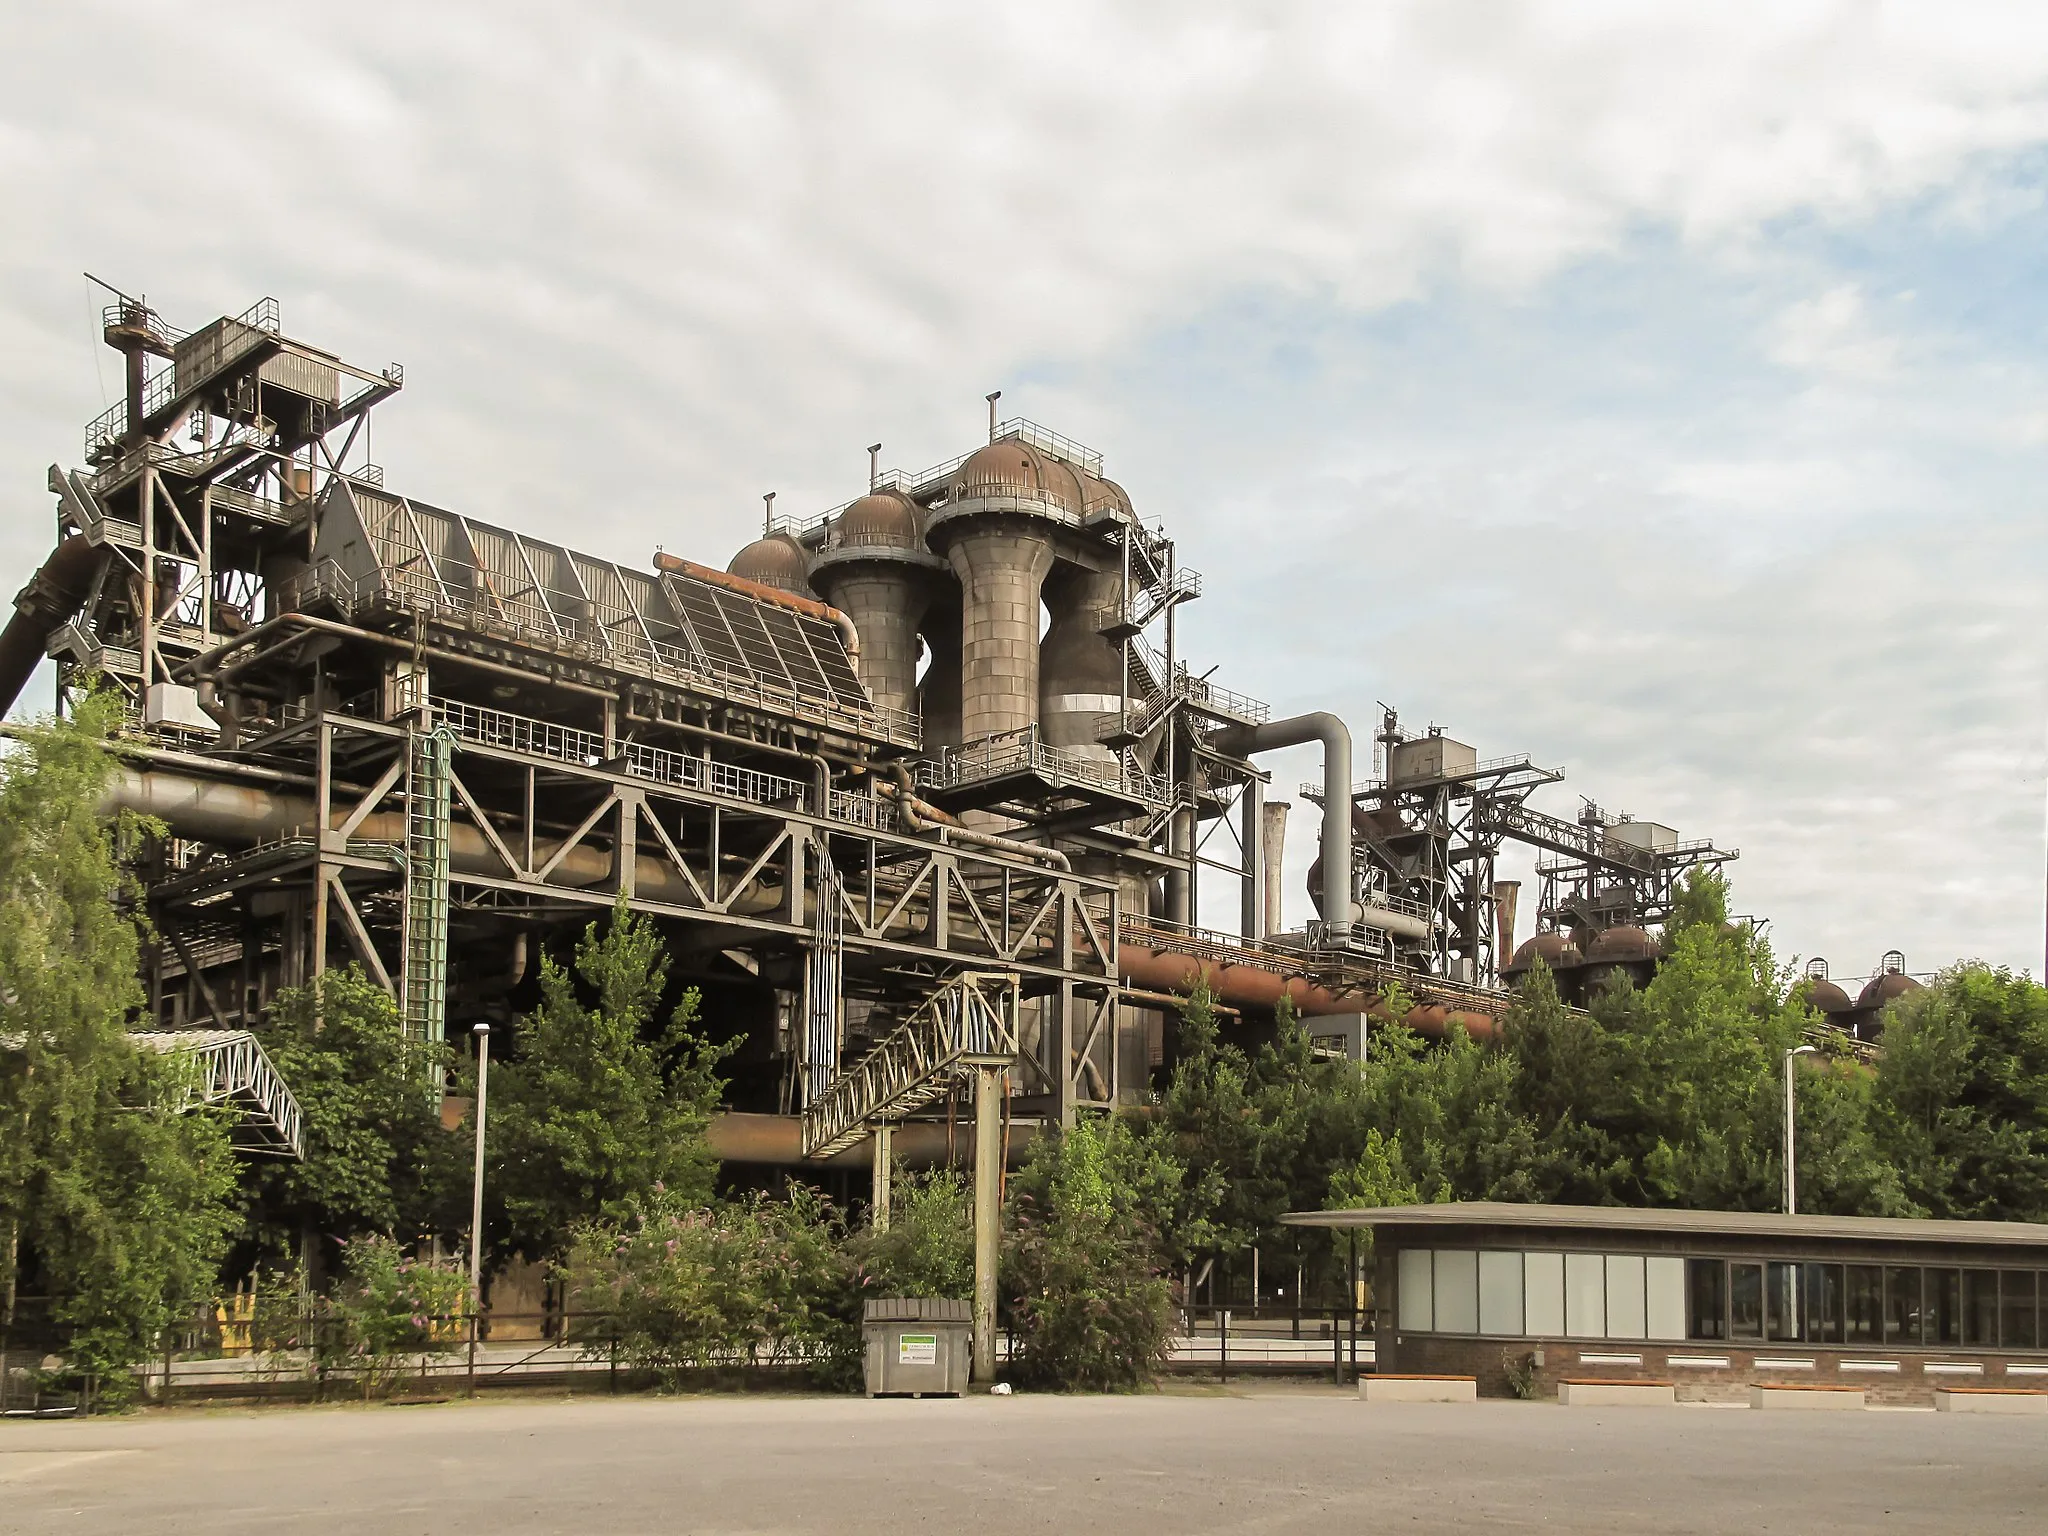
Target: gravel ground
{"x": 1189, "y": 1460}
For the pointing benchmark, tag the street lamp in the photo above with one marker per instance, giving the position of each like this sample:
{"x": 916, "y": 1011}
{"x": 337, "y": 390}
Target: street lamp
{"x": 482, "y": 1033}
{"x": 1791, "y": 1183}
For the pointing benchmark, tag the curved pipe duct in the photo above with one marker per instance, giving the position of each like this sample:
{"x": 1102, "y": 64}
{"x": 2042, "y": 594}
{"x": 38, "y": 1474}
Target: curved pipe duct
{"x": 52, "y": 595}
{"x": 1321, "y": 726}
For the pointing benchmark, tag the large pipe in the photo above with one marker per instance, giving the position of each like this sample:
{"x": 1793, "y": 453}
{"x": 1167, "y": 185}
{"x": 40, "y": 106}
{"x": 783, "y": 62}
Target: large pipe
{"x": 52, "y": 595}
{"x": 1246, "y": 740}
{"x": 738, "y": 1137}
{"x": 1272, "y": 858}
{"x": 1257, "y": 987}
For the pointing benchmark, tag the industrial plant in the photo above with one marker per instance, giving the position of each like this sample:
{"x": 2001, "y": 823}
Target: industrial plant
{"x": 922, "y": 789}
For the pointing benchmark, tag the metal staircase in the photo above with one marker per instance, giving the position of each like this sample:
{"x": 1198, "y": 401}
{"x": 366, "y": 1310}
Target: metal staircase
{"x": 428, "y": 771}
{"x": 228, "y": 1067}
{"x": 969, "y": 1022}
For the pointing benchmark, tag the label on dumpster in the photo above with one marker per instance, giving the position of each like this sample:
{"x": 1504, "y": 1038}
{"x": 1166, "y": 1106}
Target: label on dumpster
{"x": 917, "y": 1349}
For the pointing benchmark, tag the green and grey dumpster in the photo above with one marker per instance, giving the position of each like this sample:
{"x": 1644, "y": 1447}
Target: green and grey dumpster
{"x": 917, "y": 1345}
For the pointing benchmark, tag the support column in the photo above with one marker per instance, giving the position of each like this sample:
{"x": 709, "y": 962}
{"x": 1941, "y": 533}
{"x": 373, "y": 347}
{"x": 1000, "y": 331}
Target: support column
{"x": 1251, "y": 893}
{"x": 988, "y": 1214}
{"x": 878, "y": 1193}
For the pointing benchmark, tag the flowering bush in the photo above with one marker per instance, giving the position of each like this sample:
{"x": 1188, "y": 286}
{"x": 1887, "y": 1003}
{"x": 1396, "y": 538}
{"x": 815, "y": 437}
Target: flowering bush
{"x": 389, "y": 1310}
{"x": 752, "y": 1282}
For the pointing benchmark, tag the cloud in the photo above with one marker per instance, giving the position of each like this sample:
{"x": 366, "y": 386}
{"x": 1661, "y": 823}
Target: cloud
{"x": 1546, "y": 323}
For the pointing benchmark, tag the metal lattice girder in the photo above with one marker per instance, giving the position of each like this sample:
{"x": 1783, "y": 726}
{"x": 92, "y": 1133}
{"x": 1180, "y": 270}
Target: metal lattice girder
{"x": 229, "y": 1067}
{"x": 969, "y": 1022}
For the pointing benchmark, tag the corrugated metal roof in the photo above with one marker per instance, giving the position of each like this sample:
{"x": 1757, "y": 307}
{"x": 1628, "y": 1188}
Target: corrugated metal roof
{"x": 1617, "y": 1218}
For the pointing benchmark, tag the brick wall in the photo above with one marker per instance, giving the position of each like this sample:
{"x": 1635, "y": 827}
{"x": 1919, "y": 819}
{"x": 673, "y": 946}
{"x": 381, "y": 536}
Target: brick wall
{"x": 1911, "y": 1384}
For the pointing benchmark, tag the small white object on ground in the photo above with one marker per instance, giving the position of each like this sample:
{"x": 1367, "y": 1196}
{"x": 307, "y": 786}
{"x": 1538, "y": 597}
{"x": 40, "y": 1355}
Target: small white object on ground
{"x": 1000, "y": 1389}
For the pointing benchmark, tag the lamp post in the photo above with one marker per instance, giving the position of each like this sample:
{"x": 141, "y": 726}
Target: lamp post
{"x": 1791, "y": 1180}
{"x": 482, "y": 1034}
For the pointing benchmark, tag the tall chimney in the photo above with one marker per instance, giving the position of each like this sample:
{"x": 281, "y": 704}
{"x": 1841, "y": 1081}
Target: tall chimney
{"x": 1273, "y": 841}
{"x": 1506, "y": 893}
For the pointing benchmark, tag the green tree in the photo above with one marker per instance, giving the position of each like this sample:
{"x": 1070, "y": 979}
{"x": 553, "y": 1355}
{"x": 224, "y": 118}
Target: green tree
{"x": 602, "y": 1105}
{"x": 928, "y": 1248}
{"x": 377, "y": 1158}
{"x": 1962, "y": 1082}
{"x": 112, "y": 1202}
{"x": 1087, "y": 1307}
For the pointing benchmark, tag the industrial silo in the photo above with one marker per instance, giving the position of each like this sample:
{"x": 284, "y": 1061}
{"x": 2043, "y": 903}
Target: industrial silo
{"x": 875, "y": 569}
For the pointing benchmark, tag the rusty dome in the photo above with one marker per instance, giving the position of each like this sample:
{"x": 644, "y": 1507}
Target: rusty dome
{"x": 1011, "y": 467}
{"x": 1623, "y": 945}
{"x": 1880, "y": 990}
{"x": 774, "y": 560}
{"x": 882, "y": 517}
{"x": 1825, "y": 997}
{"x": 1555, "y": 950}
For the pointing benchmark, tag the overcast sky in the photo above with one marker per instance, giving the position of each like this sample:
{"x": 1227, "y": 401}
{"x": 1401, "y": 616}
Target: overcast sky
{"x": 1662, "y": 397}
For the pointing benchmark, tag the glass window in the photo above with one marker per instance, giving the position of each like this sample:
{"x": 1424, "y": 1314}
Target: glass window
{"x": 1980, "y": 1308}
{"x": 2016, "y": 1302}
{"x": 1706, "y": 1285}
{"x": 1500, "y": 1294}
{"x": 1414, "y": 1291}
{"x": 1585, "y": 1296}
{"x": 1820, "y": 1288}
{"x": 1457, "y": 1290}
{"x": 1863, "y": 1308}
{"x": 1943, "y": 1297}
{"x": 1626, "y": 1317}
{"x": 1664, "y": 1297}
{"x": 1543, "y": 1295}
{"x": 1902, "y": 1311}
{"x": 1745, "y": 1301}
{"x": 1781, "y": 1302}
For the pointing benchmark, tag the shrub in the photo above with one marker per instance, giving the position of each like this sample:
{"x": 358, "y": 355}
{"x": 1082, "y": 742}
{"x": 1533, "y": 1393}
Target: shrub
{"x": 753, "y": 1282}
{"x": 389, "y": 1310}
{"x": 1088, "y": 1310}
{"x": 928, "y": 1249}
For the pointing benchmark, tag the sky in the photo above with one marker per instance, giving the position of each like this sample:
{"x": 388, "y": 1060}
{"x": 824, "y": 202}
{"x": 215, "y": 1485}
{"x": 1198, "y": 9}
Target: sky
{"x": 1658, "y": 391}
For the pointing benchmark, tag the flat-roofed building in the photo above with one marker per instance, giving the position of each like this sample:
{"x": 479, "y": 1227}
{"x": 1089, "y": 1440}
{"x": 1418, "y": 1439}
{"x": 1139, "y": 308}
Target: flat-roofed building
{"x": 1713, "y": 1301}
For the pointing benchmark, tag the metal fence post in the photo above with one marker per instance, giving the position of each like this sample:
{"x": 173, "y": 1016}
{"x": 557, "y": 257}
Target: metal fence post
{"x": 1223, "y": 1345}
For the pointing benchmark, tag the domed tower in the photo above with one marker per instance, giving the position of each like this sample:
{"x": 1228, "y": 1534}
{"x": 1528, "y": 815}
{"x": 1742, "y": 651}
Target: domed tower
{"x": 1885, "y": 988}
{"x": 774, "y": 560}
{"x": 1823, "y": 996}
{"x": 1081, "y": 669}
{"x": 875, "y": 569}
{"x": 996, "y": 527}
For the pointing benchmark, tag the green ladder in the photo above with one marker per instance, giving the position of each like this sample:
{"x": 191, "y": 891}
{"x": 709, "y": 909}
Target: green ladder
{"x": 429, "y": 768}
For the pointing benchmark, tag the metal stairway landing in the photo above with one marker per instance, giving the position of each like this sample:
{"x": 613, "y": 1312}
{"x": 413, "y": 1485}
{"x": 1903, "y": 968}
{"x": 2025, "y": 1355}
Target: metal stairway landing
{"x": 969, "y": 1022}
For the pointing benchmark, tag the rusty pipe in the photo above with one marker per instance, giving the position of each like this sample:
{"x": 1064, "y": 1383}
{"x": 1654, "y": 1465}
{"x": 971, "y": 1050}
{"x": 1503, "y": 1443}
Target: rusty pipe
{"x": 51, "y": 596}
{"x": 737, "y": 1137}
{"x": 920, "y": 816}
{"x": 1252, "y": 986}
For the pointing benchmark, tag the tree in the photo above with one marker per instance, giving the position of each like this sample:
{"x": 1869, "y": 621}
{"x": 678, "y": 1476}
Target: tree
{"x": 1087, "y": 1307}
{"x": 112, "y": 1201}
{"x": 928, "y": 1246}
{"x": 1962, "y": 1085}
{"x": 377, "y": 1158}
{"x": 602, "y": 1106}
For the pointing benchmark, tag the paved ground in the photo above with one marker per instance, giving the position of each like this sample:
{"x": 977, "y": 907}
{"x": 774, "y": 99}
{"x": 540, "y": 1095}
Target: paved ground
{"x": 1264, "y": 1459}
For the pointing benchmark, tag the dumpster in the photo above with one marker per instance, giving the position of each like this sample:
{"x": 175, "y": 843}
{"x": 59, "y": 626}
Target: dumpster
{"x": 917, "y": 1345}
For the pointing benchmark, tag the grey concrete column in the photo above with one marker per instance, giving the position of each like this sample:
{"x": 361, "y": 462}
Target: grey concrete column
{"x": 1001, "y": 568}
{"x": 886, "y": 603}
{"x": 1081, "y": 669}
{"x": 988, "y": 1214}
